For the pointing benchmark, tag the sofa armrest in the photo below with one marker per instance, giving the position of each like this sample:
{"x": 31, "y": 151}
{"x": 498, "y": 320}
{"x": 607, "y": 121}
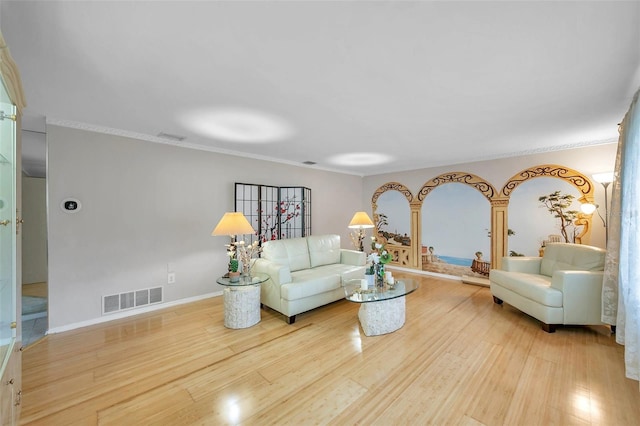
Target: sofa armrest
{"x": 527, "y": 265}
{"x": 279, "y": 273}
{"x": 581, "y": 295}
{"x": 352, "y": 257}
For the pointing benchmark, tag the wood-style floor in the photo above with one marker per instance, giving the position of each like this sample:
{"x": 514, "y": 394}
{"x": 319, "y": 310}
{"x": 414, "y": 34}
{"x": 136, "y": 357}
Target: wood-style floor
{"x": 35, "y": 289}
{"x": 459, "y": 359}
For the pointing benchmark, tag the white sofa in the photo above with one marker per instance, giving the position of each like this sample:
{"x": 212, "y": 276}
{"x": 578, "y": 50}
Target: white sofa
{"x": 562, "y": 287}
{"x": 306, "y": 273}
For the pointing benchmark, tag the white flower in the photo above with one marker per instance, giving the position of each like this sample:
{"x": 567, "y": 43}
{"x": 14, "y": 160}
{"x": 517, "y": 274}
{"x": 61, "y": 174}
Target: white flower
{"x": 374, "y": 257}
{"x": 378, "y": 246}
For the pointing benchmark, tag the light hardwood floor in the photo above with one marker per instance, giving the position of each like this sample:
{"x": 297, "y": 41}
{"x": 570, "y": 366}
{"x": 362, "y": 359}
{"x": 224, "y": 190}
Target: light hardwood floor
{"x": 459, "y": 359}
{"x": 35, "y": 289}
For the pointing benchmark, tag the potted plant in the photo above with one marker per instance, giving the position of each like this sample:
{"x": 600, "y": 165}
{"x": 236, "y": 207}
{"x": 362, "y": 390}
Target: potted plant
{"x": 234, "y": 274}
{"x": 368, "y": 275}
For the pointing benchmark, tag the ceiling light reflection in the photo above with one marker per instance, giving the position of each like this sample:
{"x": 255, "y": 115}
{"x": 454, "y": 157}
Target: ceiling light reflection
{"x": 237, "y": 125}
{"x": 356, "y": 339}
{"x": 587, "y": 406}
{"x": 360, "y": 159}
{"x": 232, "y": 411}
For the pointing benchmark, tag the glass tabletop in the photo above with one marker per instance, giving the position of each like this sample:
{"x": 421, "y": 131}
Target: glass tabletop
{"x": 254, "y": 279}
{"x": 354, "y": 293}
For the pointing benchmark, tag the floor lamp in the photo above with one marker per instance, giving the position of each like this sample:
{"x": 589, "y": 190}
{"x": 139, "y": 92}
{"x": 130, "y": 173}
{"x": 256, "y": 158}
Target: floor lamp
{"x": 605, "y": 179}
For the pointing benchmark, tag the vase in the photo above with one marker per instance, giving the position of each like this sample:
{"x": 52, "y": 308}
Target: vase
{"x": 371, "y": 281}
{"x": 379, "y": 274}
{"x": 246, "y": 269}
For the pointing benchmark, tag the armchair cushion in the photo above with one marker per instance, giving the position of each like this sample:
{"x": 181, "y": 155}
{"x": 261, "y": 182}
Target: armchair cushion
{"x": 531, "y": 286}
{"x": 571, "y": 257}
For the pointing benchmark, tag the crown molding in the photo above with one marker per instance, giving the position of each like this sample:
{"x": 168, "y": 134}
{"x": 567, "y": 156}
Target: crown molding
{"x": 155, "y": 139}
{"x": 541, "y": 150}
{"x": 380, "y": 169}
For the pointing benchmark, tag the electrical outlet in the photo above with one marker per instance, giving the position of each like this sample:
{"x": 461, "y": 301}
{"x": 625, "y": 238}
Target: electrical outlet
{"x": 171, "y": 278}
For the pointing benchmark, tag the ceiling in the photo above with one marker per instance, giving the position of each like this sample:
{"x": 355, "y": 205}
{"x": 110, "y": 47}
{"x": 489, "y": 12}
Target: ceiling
{"x": 354, "y": 86}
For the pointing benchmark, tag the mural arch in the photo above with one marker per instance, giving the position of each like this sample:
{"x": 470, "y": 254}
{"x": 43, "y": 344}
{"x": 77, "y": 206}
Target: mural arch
{"x": 402, "y": 254}
{"x": 474, "y": 181}
{"x": 500, "y": 204}
{"x": 458, "y": 177}
{"x": 574, "y": 177}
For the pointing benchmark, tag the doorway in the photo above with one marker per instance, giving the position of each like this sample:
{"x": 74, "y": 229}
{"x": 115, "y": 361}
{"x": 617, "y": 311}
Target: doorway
{"x": 35, "y": 297}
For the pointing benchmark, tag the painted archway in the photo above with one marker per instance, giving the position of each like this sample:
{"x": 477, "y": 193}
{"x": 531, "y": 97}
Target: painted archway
{"x": 500, "y": 204}
{"x": 402, "y": 254}
{"x": 474, "y": 181}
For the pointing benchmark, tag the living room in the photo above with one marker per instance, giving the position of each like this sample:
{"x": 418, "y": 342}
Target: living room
{"x": 147, "y": 206}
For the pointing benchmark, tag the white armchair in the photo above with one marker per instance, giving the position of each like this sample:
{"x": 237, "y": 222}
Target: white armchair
{"x": 562, "y": 287}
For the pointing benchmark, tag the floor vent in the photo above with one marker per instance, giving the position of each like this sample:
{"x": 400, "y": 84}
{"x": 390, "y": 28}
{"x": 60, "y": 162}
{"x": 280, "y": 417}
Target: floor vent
{"x": 131, "y": 300}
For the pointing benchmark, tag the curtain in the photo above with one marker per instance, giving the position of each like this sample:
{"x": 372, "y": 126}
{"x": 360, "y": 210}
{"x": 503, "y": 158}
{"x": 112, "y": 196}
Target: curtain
{"x": 621, "y": 285}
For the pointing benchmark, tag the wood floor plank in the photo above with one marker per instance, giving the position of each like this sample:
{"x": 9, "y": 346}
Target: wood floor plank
{"x": 459, "y": 359}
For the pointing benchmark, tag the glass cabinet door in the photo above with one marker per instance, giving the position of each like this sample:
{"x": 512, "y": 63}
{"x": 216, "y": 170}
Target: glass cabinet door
{"x": 7, "y": 227}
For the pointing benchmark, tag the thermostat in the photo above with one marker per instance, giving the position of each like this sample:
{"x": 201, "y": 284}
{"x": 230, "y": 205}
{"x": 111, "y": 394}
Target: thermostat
{"x": 71, "y": 205}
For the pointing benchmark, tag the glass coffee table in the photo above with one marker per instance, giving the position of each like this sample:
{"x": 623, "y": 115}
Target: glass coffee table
{"x": 242, "y": 300}
{"x": 382, "y": 310}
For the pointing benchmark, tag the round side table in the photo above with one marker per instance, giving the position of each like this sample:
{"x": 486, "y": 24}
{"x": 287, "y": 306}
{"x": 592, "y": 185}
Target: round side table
{"x": 242, "y": 300}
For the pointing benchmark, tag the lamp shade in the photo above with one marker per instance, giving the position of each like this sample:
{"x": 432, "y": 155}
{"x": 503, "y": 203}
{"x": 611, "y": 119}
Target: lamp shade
{"x": 588, "y": 208}
{"x": 233, "y": 223}
{"x": 361, "y": 220}
{"x": 606, "y": 177}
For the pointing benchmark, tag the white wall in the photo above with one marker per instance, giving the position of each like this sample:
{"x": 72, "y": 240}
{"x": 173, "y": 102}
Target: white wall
{"x": 146, "y": 205}
{"x": 34, "y": 230}
{"x": 588, "y": 160}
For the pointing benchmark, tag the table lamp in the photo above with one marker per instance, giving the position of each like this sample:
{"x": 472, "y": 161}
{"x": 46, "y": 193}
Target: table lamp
{"x": 360, "y": 221}
{"x": 232, "y": 224}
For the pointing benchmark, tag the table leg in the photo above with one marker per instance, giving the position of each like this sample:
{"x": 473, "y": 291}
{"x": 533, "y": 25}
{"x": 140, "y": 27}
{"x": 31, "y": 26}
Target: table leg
{"x": 241, "y": 306}
{"x": 382, "y": 317}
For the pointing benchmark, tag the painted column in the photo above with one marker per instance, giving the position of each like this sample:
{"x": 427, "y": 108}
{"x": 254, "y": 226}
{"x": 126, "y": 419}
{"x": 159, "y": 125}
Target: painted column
{"x": 415, "y": 259}
{"x": 499, "y": 230}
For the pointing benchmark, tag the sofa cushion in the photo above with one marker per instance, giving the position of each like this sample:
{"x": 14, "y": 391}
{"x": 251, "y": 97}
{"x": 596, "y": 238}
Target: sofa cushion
{"x": 292, "y": 252}
{"x": 324, "y": 249}
{"x": 571, "y": 257}
{"x": 309, "y": 282}
{"x": 532, "y": 286}
{"x": 345, "y": 272}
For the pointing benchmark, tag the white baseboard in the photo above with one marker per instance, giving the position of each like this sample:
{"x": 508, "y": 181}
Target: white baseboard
{"x": 419, "y": 272}
{"x": 36, "y": 315}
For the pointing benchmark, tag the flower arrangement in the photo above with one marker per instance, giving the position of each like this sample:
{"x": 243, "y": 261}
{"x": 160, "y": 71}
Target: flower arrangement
{"x": 378, "y": 256}
{"x": 243, "y": 252}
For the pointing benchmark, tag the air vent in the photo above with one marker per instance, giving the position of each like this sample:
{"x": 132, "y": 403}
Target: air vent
{"x": 131, "y": 300}
{"x": 169, "y": 136}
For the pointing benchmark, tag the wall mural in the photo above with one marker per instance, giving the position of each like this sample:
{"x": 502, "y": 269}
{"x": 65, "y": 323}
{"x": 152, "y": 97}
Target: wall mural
{"x": 459, "y": 224}
{"x": 452, "y": 237}
{"x": 392, "y": 208}
{"x": 530, "y": 220}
